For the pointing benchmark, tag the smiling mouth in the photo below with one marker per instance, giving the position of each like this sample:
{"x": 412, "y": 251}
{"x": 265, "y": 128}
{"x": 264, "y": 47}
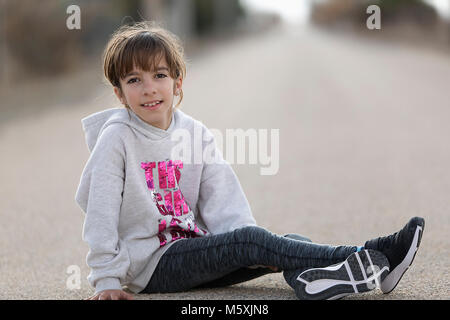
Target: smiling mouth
{"x": 152, "y": 104}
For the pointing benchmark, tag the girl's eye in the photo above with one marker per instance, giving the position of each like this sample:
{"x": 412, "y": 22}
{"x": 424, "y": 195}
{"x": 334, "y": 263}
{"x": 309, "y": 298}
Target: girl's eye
{"x": 161, "y": 76}
{"x": 132, "y": 80}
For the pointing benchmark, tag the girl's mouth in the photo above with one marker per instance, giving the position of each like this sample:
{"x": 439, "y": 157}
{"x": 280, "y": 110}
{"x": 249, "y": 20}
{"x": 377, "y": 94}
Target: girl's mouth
{"x": 152, "y": 105}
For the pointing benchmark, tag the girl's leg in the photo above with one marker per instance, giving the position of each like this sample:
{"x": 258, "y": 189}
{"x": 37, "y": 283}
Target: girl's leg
{"x": 241, "y": 275}
{"x": 248, "y": 273}
{"x": 291, "y": 274}
{"x": 193, "y": 262}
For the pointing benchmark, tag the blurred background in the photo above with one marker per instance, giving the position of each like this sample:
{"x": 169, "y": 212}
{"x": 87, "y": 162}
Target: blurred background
{"x": 363, "y": 116}
{"x": 35, "y": 41}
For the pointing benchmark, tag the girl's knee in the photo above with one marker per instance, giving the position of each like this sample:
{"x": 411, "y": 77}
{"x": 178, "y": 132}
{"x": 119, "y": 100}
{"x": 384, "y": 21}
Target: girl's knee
{"x": 250, "y": 233}
{"x": 297, "y": 237}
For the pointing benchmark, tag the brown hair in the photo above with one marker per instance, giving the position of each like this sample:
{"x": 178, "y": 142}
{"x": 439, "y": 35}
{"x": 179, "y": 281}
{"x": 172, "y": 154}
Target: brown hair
{"x": 142, "y": 45}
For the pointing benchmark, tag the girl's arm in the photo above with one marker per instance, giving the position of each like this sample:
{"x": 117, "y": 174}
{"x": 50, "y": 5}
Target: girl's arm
{"x": 100, "y": 196}
{"x": 222, "y": 202}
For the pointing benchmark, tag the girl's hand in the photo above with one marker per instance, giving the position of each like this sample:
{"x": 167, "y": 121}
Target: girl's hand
{"x": 111, "y": 295}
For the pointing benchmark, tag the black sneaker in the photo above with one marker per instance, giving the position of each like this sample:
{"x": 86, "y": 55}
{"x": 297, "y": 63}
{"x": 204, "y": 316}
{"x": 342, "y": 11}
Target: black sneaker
{"x": 360, "y": 272}
{"x": 400, "y": 248}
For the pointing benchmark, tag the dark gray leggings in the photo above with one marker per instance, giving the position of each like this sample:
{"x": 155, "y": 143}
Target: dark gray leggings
{"x": 223, "y": 259}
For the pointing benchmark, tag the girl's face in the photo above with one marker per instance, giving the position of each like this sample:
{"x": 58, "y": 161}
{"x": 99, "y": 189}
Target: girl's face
{"x": 150, "y": 94}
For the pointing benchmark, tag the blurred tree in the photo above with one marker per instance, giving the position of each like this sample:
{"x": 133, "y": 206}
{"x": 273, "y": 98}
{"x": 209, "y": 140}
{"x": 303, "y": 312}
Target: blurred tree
{"x": 37, "y": 41}
{"x": 37, "y": 37}
{"x": 413, "y": 21}
{"x": 213, "y": 15}
{"x": 204, "y": 13}
{"x": 415, "y": 11}
{"x": 102, "y": 17}
{"x": 353, "y": 12}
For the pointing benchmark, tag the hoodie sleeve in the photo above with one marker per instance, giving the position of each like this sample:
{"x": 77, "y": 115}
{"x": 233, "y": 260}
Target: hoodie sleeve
{"x": 100, "y": 196}
{"x": 222, "y": 203}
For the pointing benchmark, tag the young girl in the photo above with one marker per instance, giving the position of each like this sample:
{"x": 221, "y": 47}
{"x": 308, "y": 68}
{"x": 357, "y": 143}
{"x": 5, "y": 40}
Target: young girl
{"x": 158, "y": 221}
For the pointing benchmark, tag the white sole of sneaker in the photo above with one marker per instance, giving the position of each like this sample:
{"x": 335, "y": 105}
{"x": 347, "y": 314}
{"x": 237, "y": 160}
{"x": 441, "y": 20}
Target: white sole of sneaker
{"x": 356, "y": 274}
{"x": 393, "y": 278}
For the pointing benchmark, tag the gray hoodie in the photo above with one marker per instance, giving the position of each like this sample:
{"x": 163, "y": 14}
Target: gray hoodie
{"x": 139, "y": 196}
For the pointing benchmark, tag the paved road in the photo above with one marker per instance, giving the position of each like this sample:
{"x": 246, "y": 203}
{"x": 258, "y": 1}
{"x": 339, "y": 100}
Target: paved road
{"x": 363, "y": 147}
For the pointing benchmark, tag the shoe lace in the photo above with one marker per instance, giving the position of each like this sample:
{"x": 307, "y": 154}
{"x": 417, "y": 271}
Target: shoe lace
{"x": 386, "y": 242}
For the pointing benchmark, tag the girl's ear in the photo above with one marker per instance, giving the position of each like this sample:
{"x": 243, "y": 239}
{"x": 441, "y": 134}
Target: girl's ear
{"x": 119, "y": 95}
{"x": 177, "y": 86}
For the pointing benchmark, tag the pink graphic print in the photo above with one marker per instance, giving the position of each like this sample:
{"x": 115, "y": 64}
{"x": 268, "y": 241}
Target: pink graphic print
{"x": 175, "y": 220}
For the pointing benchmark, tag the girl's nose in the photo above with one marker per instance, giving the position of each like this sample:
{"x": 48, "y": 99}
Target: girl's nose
{"x": 149, "y": 88}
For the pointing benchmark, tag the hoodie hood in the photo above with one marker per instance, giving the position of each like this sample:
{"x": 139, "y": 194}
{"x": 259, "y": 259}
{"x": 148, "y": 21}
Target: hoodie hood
{"x": 94, "y": 124}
